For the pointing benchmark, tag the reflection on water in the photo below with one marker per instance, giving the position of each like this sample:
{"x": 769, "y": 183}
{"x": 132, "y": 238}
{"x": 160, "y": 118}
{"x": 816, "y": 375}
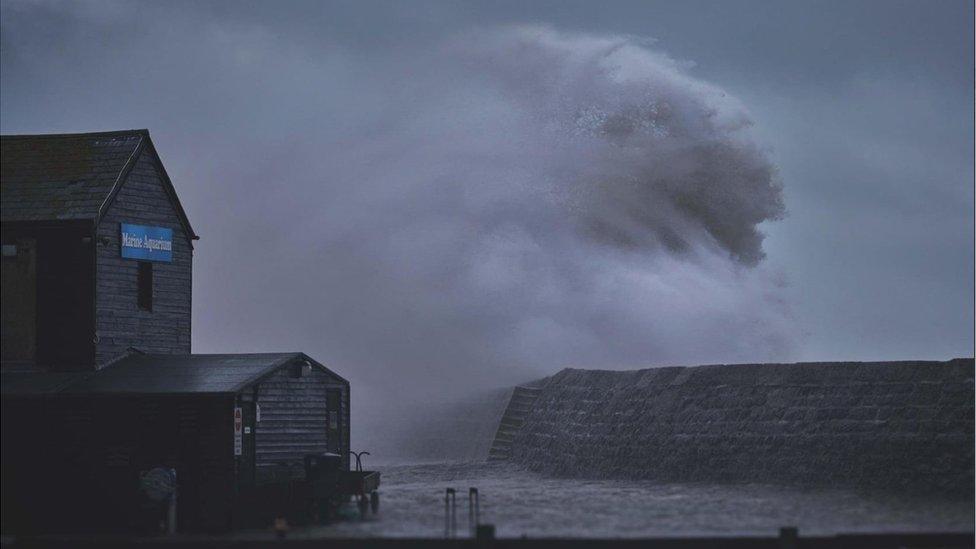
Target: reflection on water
{"x": 521, "y": 503}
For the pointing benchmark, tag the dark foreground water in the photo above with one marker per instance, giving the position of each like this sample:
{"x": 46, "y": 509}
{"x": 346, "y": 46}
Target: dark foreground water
{"x": 521, "y": 503}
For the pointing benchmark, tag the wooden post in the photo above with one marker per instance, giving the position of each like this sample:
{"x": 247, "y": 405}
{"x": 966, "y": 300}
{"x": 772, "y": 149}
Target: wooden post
{"x": 787, "y": 537}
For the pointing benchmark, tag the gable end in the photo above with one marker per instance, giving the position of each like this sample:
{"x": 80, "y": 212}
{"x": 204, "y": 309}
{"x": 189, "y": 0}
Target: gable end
{"x": 146, "y": 146}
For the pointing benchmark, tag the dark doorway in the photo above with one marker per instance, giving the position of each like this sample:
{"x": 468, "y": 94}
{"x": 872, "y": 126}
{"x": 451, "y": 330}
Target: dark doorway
{"x": 19, "y": 302}
{"x": 248, "y": 461}
{"x": 333, "y": 407}
{"x": 65, "y": 300}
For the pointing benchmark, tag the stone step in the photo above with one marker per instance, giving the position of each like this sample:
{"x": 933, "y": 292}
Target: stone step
{"x": 519, "y": 406}
{"x": 505, "y": 436}
{"x": 501, "y": 444}
{"x": 514, "y": 416}
{"x": 512, "y": 422}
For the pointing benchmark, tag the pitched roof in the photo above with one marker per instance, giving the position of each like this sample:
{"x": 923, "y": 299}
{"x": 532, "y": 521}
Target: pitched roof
{"x": 36, "y": 383}
{"x": 138, "y": 373}
{"x": 68, "y": 176}
{"x": 61, "y": 177}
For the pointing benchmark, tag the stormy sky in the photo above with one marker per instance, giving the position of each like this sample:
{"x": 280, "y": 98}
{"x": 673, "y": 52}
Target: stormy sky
{"x": 431, "y": 197}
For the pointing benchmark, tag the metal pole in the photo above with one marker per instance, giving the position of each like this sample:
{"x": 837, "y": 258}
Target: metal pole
{"x": 474, "y": 511}
{"x": 171, "y": 514}
{"x": 450, "y": 513}
{"x": 470, "y": 511}
{"x": 171, "y": 510}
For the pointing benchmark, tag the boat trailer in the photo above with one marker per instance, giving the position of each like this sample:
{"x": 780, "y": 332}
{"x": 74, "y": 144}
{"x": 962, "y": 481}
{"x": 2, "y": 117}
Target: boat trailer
{"x": 330, "y": 487}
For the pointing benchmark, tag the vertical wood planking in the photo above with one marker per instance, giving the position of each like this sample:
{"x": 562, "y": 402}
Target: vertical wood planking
{"x": 120, "y": 323}
{"x": 294, "y": 421}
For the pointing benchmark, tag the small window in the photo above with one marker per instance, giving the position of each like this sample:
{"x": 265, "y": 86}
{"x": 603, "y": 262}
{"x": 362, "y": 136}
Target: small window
{"x": 145, "y": 285}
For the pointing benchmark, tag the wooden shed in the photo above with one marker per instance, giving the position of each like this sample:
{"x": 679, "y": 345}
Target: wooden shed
{"x": 231, "y": 426}
{"x": 98, "y": 381}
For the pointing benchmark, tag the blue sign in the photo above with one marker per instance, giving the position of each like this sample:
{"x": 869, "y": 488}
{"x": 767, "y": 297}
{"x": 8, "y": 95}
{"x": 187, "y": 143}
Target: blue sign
{"x": 148, "y": 243}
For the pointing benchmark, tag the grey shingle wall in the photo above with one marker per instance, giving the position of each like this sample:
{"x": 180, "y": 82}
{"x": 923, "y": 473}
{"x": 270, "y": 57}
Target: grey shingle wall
{"x": 294, "y": 421}
{"x": 119, "y": 322}
{"x": 901, "y": 425}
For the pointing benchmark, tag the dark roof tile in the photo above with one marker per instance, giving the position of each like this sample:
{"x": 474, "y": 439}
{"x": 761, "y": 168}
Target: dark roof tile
{"x": 61, "y": 177}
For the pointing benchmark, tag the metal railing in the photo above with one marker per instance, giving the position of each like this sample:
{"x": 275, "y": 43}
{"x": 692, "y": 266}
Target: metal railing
{"x": 450, "y": 513}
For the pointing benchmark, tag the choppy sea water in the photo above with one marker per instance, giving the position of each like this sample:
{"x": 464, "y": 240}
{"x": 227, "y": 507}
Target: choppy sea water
{"x": 520, "y": 503}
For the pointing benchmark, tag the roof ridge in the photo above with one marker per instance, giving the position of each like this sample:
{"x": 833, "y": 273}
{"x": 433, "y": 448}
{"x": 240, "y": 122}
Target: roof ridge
{"x": 223, "y": 354}
{"x": 113, "y": 133}
{"x": 188, "y": 373}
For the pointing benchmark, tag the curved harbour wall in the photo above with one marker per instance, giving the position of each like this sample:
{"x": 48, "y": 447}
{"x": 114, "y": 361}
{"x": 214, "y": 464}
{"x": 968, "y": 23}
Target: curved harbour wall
{"x": 892, "y": 425}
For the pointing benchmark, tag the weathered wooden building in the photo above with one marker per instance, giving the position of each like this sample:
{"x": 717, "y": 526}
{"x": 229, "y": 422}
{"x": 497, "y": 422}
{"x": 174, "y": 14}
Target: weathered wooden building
{"x": 98, "y": 382}
{"x": 72, "y": 297}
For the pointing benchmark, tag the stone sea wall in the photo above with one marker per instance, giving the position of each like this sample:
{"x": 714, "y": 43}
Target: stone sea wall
{"x": 905, "y": 426}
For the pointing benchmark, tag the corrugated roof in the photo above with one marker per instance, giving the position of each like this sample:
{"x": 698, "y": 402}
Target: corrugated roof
{"x": 138, "y": 373}
{"x": 64, "y": 176}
